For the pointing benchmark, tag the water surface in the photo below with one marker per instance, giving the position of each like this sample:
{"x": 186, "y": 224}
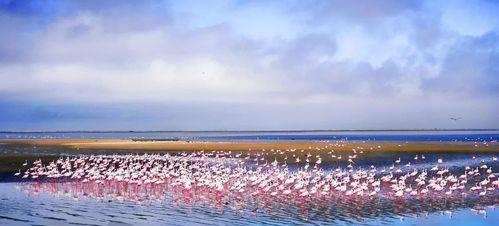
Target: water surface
{"x": 34, "y": 203}
{"x": 278, "y": 135}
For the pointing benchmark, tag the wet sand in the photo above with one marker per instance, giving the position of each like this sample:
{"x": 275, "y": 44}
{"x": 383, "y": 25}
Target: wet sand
{"x": 17, "y": 151}
{"x": 155, "y": 146}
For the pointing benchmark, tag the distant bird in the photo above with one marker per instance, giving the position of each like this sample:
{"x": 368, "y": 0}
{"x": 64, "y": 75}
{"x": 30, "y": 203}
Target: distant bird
{"x": 455, "y": 119}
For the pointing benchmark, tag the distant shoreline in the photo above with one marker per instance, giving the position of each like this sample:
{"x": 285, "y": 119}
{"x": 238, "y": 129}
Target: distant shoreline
{"x": 165, "y": 146}
{"x": 253, "y": 131}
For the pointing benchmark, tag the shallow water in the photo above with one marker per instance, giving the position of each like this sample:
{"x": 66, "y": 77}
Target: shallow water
{"x": 21, "y": 208}
{"x": 262, "y": 135}
{"x": 36, "y": 203}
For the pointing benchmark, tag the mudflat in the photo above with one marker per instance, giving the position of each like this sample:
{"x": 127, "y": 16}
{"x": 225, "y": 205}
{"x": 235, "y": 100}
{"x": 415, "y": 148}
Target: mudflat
{"x": 127, "y": 144}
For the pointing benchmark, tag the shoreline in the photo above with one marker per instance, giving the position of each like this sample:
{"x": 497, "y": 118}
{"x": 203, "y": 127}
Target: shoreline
{"x": 256, "y": 131}
{"x": 258, "y": 145}
{"x": 54, "y": 148}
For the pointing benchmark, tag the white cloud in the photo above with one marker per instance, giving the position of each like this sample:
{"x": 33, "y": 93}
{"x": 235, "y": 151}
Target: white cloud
{"x": 345, "y": 57}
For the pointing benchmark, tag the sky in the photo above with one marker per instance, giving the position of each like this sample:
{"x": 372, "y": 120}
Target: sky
{"x": 248, "y": 65}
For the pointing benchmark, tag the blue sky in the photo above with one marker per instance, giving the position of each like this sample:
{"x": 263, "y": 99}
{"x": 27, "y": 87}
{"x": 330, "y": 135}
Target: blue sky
{"x": 168, "y": 65}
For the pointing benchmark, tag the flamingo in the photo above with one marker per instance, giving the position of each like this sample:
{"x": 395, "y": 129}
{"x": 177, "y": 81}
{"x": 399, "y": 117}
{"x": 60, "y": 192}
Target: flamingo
{"x": 217, "y": 172}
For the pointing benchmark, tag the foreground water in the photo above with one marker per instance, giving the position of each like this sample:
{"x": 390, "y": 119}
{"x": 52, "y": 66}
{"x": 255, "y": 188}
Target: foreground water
{"x": 23, "y": 208}
{"x": 48, "y": 203}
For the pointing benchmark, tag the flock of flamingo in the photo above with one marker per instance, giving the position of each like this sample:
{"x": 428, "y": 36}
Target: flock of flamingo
{"x": 250, "y": 174}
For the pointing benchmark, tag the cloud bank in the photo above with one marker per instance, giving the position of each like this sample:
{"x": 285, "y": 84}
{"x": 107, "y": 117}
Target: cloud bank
{"x": 248, "y": 64}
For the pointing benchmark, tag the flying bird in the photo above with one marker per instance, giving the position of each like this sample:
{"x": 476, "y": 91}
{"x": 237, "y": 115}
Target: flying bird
{"x": 455, "y": 119}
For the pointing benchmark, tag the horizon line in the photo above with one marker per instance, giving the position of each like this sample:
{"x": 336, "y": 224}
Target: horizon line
{"x": 271, "y": 131}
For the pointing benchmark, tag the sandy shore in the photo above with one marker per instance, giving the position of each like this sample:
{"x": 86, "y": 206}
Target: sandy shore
{"x": 125, "y": 144}
{"x": 9, "y": 163}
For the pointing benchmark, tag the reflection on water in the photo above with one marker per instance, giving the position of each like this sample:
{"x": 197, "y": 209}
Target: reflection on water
{"x": 323, "y": 208}
{"x": 19, "y": 205}
{"x": 97, "y": 202}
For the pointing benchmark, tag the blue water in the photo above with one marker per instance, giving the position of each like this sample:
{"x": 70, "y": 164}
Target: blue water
{"x": 345, "y": 135}
{"x": 20, "y": 208}
{"x": 59, "y": 207}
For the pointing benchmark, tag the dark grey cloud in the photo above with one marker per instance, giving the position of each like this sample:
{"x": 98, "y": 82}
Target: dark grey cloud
{"x": 352, "y": 63}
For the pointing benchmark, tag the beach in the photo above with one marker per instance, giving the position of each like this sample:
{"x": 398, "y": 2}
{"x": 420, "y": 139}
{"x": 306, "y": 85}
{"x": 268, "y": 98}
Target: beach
{"x": 165, "y": 146}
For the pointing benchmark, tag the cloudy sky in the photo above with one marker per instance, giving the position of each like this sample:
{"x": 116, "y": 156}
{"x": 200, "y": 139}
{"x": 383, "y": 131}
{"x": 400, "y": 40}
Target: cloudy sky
{"x": 190, "y": 65}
